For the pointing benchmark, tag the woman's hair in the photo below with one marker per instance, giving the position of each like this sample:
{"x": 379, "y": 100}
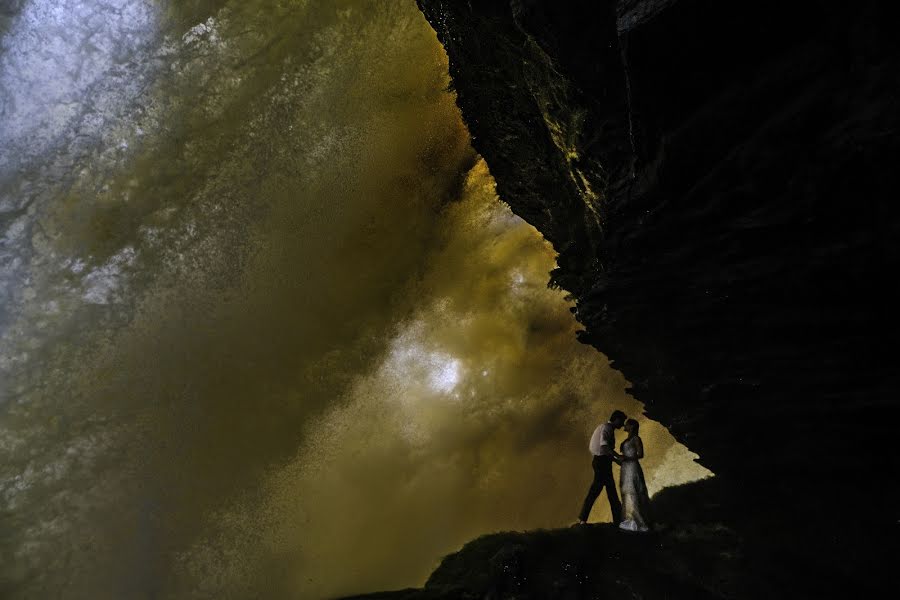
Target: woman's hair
{"x": 634, "y": 423}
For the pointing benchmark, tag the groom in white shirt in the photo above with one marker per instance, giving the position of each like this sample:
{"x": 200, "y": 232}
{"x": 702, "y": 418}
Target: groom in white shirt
{"x": 603, "y": 447}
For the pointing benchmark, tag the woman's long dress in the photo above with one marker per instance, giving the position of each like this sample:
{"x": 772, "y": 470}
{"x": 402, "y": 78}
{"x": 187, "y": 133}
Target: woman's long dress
{"x": 635, "y": 499}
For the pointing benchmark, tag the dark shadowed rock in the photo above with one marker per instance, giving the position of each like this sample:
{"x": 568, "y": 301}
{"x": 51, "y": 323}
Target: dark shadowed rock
{"x": 592, "y": 561}
{"x": 720, "y": 181}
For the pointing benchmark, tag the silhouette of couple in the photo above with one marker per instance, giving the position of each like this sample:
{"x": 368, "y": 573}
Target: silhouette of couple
{"x": 634, "y": 516}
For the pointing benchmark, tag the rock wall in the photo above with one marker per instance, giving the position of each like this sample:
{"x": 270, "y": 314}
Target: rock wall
{"x": 720, "y": 181}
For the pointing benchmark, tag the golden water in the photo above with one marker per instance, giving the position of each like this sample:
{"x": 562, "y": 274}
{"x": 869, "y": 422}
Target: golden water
{"x": 266, "y": 329}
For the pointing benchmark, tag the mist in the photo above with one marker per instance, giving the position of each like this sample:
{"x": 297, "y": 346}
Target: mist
{"x": 267, "y": 329}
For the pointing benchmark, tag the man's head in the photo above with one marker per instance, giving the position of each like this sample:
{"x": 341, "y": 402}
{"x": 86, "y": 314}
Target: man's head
{"x": 617, "y": 419}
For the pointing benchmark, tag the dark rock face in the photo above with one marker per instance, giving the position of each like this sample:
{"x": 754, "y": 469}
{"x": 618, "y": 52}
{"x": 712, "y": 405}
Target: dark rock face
{"x": 588, "y": 562}
{"x": 691, "y": 562}
{"x": 720, "y": 181}
{"x": 692, "y": 556}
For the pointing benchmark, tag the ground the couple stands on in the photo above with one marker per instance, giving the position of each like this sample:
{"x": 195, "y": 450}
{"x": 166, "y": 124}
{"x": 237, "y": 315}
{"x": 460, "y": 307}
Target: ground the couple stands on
{"x": 633, "y": 513}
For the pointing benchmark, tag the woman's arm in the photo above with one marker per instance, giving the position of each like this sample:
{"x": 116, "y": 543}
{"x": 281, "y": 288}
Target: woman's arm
{"x": 639, "y": 445}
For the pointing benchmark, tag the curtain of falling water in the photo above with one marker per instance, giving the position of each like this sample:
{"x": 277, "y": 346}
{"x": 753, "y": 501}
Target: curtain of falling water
{"x": 266, "y": 330}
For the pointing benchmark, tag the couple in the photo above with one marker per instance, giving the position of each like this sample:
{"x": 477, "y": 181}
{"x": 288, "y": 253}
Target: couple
{"x": 631, "y": 478}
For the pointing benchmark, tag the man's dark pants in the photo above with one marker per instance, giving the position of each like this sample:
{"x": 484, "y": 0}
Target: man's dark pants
{"x": 603, "y": 477}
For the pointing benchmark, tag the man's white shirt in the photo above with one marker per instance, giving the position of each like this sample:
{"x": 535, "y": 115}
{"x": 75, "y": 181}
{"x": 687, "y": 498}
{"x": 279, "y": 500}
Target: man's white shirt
{"x": 603, "y": 441}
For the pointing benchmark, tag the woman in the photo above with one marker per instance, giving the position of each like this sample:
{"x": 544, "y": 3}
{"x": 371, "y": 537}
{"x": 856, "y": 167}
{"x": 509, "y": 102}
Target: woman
{"x": 635, "y": 499}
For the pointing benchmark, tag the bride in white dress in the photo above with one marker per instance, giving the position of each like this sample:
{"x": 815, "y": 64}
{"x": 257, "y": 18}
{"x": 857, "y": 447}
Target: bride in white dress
{"x": 635, "y": 499}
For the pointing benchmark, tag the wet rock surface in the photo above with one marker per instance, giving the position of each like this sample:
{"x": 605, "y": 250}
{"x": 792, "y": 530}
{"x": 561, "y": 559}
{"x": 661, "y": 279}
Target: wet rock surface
{"x": 719, "y": 180}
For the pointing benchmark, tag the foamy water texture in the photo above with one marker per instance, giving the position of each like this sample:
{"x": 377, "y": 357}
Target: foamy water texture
{"x": 266, "y": 330}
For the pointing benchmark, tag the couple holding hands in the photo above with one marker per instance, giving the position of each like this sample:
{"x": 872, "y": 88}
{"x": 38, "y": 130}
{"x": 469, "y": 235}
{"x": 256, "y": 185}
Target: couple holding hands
{"x": 634, "y": 516}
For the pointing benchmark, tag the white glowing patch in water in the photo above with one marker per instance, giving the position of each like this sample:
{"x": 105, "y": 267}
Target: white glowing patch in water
{"x": 411, "y": 363}
{"x": 445, "y": 373}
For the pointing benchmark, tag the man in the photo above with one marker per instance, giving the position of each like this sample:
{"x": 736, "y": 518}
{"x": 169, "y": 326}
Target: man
{"x": 602, "y": 446}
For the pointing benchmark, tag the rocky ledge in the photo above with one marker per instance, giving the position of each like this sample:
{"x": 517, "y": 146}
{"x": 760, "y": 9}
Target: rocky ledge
{"x": 594, "y": 561}
{"x": 692, "y": 555}
{"x": 720, "y": 182}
